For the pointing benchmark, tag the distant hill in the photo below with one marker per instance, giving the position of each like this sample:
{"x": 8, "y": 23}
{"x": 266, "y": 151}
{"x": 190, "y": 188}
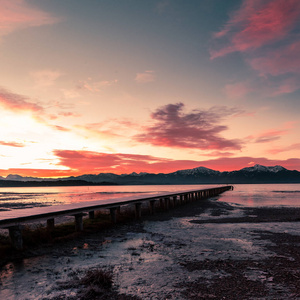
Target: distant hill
{"x": 200, "y": 175}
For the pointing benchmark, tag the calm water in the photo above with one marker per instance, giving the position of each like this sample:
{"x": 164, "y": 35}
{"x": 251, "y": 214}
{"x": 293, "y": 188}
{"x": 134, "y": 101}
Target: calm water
{"x": 249, "y": 195}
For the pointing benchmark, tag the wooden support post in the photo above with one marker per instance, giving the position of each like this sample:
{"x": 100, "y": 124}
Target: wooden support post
{"x": 161, "y": 203}
{"x": 175, "y": 200}
{"x": 167, "y": 203}
{"x": 138, "y": 210}
{"x": 92, "y": 214}
{"x": 181, "y": 199}
{"x": 171, "y": 202}
{"x": 152, "y": 206}
{"x": 186, "y": 199}
{"x": 119, "y": 209}
{"x": 15, "y": 234}
{"x": 113, "y": 214}
{"x": 79, "y": 222}
{"x": 50, "y": 225}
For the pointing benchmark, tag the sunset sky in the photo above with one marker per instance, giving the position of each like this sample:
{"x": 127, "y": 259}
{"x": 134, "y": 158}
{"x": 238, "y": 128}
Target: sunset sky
{"x": 148, "y": 85}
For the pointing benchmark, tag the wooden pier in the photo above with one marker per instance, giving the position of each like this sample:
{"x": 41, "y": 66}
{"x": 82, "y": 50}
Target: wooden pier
{"x": 14, "y": 220}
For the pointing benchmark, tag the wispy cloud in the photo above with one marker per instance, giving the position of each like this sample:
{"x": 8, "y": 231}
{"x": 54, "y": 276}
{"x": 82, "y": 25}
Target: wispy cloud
{"x": 18, "y": 14}
{"x": 266, "y": 86}
{"x": 145, "y": 77}
{"x": 284, "y": 149}
{"x": 18, "y": 103}
{"x": 60, "y": 128}
{"x": 264, "y": 32}
{"x": 271, "y": 134}
{"x": 256, "y": 24}
{"x": 171, "y": 127}
{"x": 68, "y": 114}
{"x": 11, "y": 144}
{"x": 280, "y": 61}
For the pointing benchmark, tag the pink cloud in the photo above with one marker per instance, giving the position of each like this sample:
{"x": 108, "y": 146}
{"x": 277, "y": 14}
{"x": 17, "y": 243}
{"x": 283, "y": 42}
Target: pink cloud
{"x": 257, "y": 23}
{"x": 63, "y": 114}
{"x": 284, "y": 149}
{"x": 60, "y": 128}
{"x": 18, "y": 14}
{"x": 68, "y": 114}
{"x": 17, "y": 102}
{"x": 286, "y": 86}
{"x": 81, "y": 162}
{"x": 264, "y": 86}
{"x": 261, "y": 25}
{"x": 268, "y": 136}
{"x": 281, "y": 61}
{"x": 88, "y": 162}
{"x": 171, "y": 127}
{"x": 11, "y": 144}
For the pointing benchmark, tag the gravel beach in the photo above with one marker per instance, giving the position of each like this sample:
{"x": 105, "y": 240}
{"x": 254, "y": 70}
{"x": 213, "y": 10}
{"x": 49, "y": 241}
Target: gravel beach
{"x": 203, "y": 250}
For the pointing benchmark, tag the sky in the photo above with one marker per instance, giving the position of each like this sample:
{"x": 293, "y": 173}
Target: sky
{"x": 123, "y": 86}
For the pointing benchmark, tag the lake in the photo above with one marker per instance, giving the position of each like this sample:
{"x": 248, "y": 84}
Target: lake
{"x": 243, "y": 194}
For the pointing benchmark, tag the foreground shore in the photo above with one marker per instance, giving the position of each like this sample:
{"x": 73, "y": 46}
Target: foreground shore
{"x": 204, "y": 250}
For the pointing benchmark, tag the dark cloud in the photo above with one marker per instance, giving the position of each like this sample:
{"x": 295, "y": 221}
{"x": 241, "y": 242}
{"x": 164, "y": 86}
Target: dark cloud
{"x": 199, "y": 129}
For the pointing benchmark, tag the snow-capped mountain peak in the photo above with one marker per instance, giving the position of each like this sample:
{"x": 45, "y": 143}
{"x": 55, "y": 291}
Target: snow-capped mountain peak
{"x": 260, "y": 168}
{"x": 197, "y": 170}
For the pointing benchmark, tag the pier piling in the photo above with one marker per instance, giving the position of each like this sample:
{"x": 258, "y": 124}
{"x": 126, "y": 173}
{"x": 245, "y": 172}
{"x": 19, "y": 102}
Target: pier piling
{"x": 138, "y": 210}
{"x": 15, "y": 234}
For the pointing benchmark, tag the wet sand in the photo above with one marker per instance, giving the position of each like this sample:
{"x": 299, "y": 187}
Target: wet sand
{"x": 203, "y": 250}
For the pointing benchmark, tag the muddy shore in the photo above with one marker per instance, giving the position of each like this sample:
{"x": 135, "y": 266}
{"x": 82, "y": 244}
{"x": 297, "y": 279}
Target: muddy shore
{"x": 207, "y": 250}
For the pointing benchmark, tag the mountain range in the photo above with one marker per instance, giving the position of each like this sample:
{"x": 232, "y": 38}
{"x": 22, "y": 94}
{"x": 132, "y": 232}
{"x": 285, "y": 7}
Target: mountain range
{"x": 200, "y": 175}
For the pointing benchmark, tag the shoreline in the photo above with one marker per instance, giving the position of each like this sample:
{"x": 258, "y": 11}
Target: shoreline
{"x": 219, "y": 255}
